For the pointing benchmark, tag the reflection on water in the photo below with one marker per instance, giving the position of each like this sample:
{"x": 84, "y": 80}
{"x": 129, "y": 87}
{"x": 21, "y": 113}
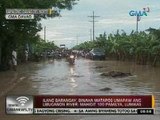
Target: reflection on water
{"x": 59, "y": 78}
{"x": 71, "y": 71}
{"x": 72, "y": 81}
{"x": 145, "y": 79}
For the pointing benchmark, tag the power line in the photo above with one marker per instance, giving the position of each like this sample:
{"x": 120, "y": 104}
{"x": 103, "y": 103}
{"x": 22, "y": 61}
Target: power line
{"x": 93, "y": 21}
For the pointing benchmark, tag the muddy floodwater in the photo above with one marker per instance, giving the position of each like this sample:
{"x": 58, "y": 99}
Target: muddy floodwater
{"x": 57, "y": 77}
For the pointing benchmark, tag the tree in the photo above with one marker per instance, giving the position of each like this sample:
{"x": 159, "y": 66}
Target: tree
{"x": 19, "y": 33}
{"x": 141, "y": 47}
{"x": 154, "y": 44}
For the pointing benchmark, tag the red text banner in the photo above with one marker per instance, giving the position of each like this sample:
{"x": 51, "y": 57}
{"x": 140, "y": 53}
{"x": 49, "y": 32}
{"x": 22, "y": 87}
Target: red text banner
{"x": 93, "y": 101}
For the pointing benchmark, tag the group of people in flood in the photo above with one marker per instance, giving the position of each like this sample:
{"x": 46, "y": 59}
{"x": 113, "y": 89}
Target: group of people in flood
{"x": 52, "y": 54}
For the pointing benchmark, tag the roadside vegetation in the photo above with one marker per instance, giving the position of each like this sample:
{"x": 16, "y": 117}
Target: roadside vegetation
{"x": 22, "y": 34}
{"x": 141, "y": 47}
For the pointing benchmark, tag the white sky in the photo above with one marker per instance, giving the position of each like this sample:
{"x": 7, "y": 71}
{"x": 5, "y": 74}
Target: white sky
{"x": 114, "y": 14}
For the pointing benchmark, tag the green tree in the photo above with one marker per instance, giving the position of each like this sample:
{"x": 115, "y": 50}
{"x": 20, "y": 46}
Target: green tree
{"x": 21, "y": 32}
{"x": 141, "y": 47}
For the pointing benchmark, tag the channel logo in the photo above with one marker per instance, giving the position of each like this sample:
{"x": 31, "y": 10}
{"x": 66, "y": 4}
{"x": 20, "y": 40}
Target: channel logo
{"x": 143, "y": 12}
{"x": 19, "y": 105}
{"x": 22, "y": 100}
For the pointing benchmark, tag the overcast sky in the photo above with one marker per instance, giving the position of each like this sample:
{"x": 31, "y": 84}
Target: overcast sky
{"x": 74, "y": 25}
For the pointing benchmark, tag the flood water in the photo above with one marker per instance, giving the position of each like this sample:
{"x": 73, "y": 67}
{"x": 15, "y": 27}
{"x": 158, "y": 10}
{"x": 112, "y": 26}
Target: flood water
{"x": 59, "y": 78}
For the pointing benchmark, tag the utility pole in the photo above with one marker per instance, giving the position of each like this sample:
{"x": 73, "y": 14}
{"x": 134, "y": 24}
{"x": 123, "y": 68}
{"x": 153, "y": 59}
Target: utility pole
{"x": 137, "y": 19}
{"x": 90, "y": 34}
{"x": 93, "y": 21}
{"x": 45, "y": 33}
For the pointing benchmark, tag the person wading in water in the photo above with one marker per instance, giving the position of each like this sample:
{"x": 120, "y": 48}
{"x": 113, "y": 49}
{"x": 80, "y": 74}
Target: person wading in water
{"x": 14, "y": 59}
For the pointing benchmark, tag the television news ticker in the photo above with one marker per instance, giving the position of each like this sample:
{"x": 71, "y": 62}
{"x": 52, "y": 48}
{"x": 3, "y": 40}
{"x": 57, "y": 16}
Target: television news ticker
{"x": 80, "y": 105}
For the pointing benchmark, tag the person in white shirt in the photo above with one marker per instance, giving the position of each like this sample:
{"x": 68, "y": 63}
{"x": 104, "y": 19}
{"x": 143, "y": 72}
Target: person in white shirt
{"x": 26, "y": 55}
{"x": 14, "y": 59}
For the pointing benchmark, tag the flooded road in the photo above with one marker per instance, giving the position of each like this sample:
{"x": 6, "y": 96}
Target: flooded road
{"x": 59, "y": 78}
